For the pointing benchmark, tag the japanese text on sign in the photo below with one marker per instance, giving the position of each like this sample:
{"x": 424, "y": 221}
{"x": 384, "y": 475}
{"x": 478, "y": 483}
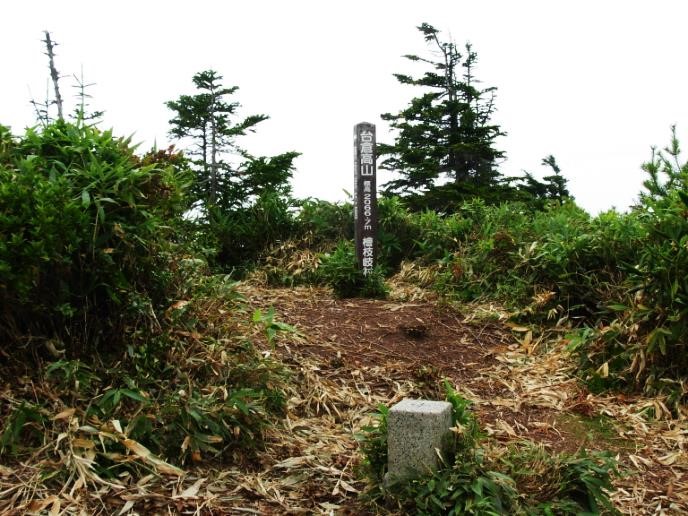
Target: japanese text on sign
{"x": 365, "y": 202}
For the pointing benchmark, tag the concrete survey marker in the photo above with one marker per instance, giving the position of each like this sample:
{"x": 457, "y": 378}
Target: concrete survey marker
{"x": 416, "y": 431}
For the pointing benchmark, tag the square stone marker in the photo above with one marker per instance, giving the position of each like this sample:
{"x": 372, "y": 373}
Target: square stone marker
{"x": 415, "y": 428}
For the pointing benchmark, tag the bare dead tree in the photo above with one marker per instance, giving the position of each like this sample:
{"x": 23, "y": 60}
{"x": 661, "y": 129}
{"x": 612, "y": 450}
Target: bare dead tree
{"x": 50, "y": 46}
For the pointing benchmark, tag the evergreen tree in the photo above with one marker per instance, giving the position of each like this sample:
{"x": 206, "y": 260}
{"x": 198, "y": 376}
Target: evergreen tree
{"x": 556, "y": 183}
{"x": 553, "y": 186}
{"x": 208, "y": 119}
{"x": 446, "y": 133}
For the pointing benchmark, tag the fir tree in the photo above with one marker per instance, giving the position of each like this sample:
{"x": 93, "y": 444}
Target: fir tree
{"x": 208, "y": 119}
{"x": 556, "y": 183}
{"x": 446, "y": 133}
{"x": 552, "y": 187}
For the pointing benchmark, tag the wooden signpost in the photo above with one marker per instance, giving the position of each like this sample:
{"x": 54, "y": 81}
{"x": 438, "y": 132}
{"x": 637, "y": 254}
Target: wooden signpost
{"x": 365, "y": 196}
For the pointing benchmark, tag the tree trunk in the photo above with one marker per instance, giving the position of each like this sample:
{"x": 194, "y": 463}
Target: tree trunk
{"x": 213, "y": 154}
{"x": 53, "y": 73}
{"x": 204, "y": 153}
{"x": 454, "y": 136}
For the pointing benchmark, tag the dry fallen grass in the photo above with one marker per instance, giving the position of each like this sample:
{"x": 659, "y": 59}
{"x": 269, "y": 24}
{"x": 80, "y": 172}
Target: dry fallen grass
{"x": 348, "y": 357}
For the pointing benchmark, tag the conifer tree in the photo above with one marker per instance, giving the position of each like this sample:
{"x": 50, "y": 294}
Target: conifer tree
{"x": 552, "y": 187}
{"x": 446, "y": 133}
{"x": 208, "y": 119}
{"x": 556, "y": 183}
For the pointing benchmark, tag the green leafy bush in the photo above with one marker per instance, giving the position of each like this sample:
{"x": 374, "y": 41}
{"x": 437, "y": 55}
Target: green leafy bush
{"x": 83, "y": 236}
{"x": 341, "y": 272}
{"x": 73, "y": 377}
{"x": 222, "y": 393}
{"x": 373, "y": 444}
{"x": 561, "y": 483}
{"x": 325, "y": 221}
{"x": 192, "y": 391}
{"x": 396, "y": 234}
{"x": 558, "y": 261}
{"x": 148, "y": 344}
{"x": 244, "y": 233}
{"x": 646, "y": 343}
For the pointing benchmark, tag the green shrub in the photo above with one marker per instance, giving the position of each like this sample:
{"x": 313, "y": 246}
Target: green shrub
{"x": 396, "y": 234}
{"x": 83, "y": 236}
{"x": 340, "y": 271}
{"x": 229, "y": 390}
{"x": 73, "y": 377}
{"x": 243, "y": 234}
{"x": 556, "y": 261}
{"x": 152, "y": 349}
{"x": 646, "y": 343}
{"x": 582, "y": 260}
{"x": 325, "y": 221}
{"x": 209, "y": 391}
{"x": 373, "y": 444}
{"x": 186, "y": 393}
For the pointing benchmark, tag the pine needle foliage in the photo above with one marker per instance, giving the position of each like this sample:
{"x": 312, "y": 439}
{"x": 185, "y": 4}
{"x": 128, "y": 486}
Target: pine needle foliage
{"x": 447, "y": 131}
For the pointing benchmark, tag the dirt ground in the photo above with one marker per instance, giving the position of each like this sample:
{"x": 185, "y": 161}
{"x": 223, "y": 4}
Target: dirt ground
{"x": 348, "y": 356}
{"x": 519, "y": 391}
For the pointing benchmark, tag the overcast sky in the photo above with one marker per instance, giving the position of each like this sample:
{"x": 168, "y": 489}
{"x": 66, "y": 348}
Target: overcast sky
{"x": 595, "y": 83}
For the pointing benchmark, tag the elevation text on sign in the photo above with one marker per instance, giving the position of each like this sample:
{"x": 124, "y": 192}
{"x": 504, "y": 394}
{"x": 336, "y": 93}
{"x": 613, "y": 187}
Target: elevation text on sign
{"x": 365, "y": 199}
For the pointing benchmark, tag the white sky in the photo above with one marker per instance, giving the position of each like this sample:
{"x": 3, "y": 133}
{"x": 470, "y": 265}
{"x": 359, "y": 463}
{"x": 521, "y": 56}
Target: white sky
{"x": 595, "y": 83}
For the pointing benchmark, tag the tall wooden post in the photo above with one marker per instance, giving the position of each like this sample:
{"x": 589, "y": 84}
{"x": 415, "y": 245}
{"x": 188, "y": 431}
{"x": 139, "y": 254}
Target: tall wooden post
{"x": 365, "y": 196}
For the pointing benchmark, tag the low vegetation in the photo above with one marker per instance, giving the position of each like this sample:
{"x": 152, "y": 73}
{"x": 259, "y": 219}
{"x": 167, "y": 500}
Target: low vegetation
{"x": 525, "y": 479}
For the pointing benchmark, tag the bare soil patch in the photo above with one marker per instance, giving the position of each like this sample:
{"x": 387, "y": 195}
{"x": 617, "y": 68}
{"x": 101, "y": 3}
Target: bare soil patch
{"x": 422, "y": 343}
